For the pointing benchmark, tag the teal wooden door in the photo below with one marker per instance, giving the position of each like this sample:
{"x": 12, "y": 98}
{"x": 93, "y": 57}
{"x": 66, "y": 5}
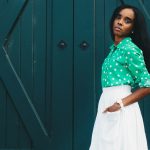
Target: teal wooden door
{"x": 22, "y": 81}
{"x": 46, "y": 75}
{"x": 50, "y": 65}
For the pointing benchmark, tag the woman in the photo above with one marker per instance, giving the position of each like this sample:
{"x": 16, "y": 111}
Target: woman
{"x": 119, "y": 124}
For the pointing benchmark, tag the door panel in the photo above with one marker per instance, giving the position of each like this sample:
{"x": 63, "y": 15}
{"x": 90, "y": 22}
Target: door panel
{"x": 21, "y": 117}
{"x": 62, "y": 74}
{"x": 84, "y": 67}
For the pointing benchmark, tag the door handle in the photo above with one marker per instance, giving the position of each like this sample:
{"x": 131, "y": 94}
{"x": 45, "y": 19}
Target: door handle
{"x": 62, "y": 44}
{"x": 84, "y": 45}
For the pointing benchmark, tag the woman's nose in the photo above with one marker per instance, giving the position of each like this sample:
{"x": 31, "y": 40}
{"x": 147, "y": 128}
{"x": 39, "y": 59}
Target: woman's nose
{"x": 120, "y": 22}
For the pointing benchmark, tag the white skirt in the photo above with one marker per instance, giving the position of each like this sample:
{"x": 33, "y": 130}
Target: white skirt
{"x": 120, "y": 130}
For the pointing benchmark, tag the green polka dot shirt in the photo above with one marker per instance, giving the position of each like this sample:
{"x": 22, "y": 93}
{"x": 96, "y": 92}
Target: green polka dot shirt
{"x": 125, "y": 65}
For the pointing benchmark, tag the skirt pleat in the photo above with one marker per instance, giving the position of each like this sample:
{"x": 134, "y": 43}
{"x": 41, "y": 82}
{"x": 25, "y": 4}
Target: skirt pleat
{"x": 120, "y": 130}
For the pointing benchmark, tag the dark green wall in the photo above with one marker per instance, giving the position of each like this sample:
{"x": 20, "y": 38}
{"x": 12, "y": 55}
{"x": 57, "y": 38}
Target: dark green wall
{"x": 51, "y": 53}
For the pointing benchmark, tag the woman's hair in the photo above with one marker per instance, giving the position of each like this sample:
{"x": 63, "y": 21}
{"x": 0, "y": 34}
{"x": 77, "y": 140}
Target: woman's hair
{"x": 140, "y": 34}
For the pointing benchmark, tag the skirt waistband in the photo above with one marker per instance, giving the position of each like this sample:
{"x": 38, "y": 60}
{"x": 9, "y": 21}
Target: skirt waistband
{"x": 120, "y": 88}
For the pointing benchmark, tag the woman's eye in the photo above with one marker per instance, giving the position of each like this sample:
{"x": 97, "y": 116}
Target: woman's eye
{"x": 128, "y": 20}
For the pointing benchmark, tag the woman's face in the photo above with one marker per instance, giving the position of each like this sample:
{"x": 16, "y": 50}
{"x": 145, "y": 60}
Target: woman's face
{"x": 123, "y": 23}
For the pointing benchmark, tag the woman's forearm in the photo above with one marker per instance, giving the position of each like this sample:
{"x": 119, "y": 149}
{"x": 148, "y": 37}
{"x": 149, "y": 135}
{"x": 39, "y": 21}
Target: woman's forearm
{"x": 136, "y": 96}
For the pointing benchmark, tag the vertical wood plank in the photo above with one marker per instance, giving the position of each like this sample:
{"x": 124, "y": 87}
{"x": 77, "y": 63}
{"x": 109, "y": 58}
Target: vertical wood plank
{"x": 26, "y": 53}
{"x": 26, "y": 63}
{"x": 84, "y": 72}
{"x": 39, "y": 56}
{"x": 62, "y": 75}
{"x": 100, "y": 47}
{"x": 10, "y": 114}
{"x": 2, "y": 116}
{"x": 11, "y": 125}
{"x": 13, "y": 47}
{"x": 48, "y": 73}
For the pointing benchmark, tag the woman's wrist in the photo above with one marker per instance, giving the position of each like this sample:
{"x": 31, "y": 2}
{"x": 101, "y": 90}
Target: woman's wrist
{"x": 120, "y": 103}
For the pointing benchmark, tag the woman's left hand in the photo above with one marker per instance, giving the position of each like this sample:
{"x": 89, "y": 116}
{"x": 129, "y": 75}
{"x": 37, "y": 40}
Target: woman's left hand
{"x": 112, "y": 108}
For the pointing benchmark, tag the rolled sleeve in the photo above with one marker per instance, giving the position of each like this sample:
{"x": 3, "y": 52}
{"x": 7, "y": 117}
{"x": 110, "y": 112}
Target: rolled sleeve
{"x": 136, "y": 65}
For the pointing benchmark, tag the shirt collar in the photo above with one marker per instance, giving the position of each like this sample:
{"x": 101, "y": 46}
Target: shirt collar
{"x": 121, "y": 43}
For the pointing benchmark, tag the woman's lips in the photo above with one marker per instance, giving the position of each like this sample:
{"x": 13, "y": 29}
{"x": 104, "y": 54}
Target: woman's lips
{"x": 117, "y": 28}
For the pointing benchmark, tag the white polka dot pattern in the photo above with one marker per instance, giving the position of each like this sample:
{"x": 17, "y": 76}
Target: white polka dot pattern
{"x": 125, "y": 65}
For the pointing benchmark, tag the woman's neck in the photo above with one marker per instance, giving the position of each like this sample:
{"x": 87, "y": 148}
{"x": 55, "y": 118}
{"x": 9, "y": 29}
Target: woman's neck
{"x": 117, "y": 40}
